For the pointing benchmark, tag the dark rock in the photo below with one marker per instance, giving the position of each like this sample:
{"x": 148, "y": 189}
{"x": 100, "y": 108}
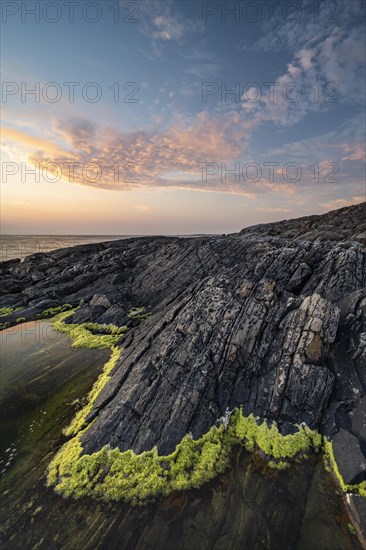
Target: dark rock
{"x": 360, "y": 237}
{"x": 86, "y": 314}
{"x": 115, "y": 315}
{"x": 101, "y": 300}
{"x": 299, "y": 278}
{"x": 7, "y": 265}
{"x": 11, "y": 300}
{"x": 358, "y": 423}
{"x": 44, "y": 304}
{"x": 350, "y": 459}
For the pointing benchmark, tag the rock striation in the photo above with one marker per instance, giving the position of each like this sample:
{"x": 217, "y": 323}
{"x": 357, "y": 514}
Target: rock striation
{"x": 271, "y": 319}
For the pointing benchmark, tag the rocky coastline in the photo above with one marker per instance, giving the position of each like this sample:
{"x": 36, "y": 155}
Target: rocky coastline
{"x": 267, "y": 324}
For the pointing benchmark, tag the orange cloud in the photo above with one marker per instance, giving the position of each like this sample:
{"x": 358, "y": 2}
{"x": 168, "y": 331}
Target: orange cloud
{"x": 139, "y": 159}
{"x": 354, "y": 151}
{"x": 9, "y": 134}
{"x": 271, "y": 210}
{"x": 339, "y": 203}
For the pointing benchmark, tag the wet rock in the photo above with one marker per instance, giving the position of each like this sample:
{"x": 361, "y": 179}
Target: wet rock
{"x": 350, "y": 459}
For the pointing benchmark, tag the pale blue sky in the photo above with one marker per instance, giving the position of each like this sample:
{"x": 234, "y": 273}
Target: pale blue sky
{"x": 290, "y": 157}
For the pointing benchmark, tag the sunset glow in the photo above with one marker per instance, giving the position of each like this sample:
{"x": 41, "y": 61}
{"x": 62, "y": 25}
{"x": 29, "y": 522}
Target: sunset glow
{"x": 184, "y": 119}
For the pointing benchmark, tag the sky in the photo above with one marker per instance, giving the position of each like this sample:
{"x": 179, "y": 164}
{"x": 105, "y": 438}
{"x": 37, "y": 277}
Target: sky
{"x": 179, "y": 117}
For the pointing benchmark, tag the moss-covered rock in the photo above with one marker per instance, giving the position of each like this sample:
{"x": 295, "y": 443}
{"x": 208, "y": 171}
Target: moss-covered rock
{"x": 331, "y": 465}
{"x": 80, "y": 419}
{"x": 52, "y": 311}
{"x": 89, "y": 335}
{"x": 6, "y": 310}
{"x": 114, "y": 475}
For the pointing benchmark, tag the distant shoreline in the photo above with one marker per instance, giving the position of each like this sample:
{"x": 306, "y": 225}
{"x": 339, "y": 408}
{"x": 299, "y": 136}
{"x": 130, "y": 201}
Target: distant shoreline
{"x": 14, "y": 247}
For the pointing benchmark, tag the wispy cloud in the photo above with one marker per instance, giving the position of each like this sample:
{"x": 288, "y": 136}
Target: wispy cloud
{"x": 159, "y": 20}
{"x": 322, "y": 52}
{"x": 141, "y": 207}
{"x": 28, "y": 141}
{"x": 345, "y": 143}
{"x": 340, "y": 203}
{"x": 272, "y": 210}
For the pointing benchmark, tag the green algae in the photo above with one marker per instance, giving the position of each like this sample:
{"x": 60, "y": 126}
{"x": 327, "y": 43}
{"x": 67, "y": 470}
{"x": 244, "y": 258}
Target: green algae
{"x": 136, "y": 310}
{"x": 331, "y": 465}
{"x": 110, "y": 474}
{"x": 139, "y": 313}
{"x": 89, "y": 335}
{"x": 79, "y": 420}
{"x": 52, "y": 311}
{"x": 6, "y": 310}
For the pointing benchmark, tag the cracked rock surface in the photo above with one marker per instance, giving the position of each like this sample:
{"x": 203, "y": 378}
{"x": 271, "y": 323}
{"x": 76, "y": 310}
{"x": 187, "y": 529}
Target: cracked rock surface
{"x": 272, "y": 319}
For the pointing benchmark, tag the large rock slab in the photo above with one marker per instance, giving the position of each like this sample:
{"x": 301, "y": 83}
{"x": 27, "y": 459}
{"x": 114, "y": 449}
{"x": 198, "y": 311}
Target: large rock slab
{"x": 272, "y": 319}
{"x": 349, "y": 457}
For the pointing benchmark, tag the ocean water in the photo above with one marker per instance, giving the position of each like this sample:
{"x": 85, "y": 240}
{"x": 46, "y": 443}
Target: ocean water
{"x": 20, "y": 246}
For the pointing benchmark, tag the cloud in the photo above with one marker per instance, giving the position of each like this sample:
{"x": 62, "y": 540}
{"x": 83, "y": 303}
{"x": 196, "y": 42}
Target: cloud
{"x": 340, "y": 203}
{"x": 175, "y": 157}
{"x": 162, "y": 23}
{"x": 264, "y": 209}
{"x": 141, "y": 207}
{"x": 305, "y": 58}
{"x": 322, "y": 51}
{"x": 28, "y": 141}
{"x": 345, "y": 143}
{"x": 140, "y": 159}
{"x": 341, "y": 59}
{"x": 167, "y": 28}
{"x": 310, "y": 23}
{"x": 354, "y": 152}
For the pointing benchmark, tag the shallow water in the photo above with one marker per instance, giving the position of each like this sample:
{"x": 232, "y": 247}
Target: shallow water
{"x": 249, "y": 507}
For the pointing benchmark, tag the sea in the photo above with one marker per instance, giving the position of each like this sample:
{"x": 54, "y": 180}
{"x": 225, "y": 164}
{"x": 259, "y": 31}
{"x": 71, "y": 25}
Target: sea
{"x": 20, "y": 246}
